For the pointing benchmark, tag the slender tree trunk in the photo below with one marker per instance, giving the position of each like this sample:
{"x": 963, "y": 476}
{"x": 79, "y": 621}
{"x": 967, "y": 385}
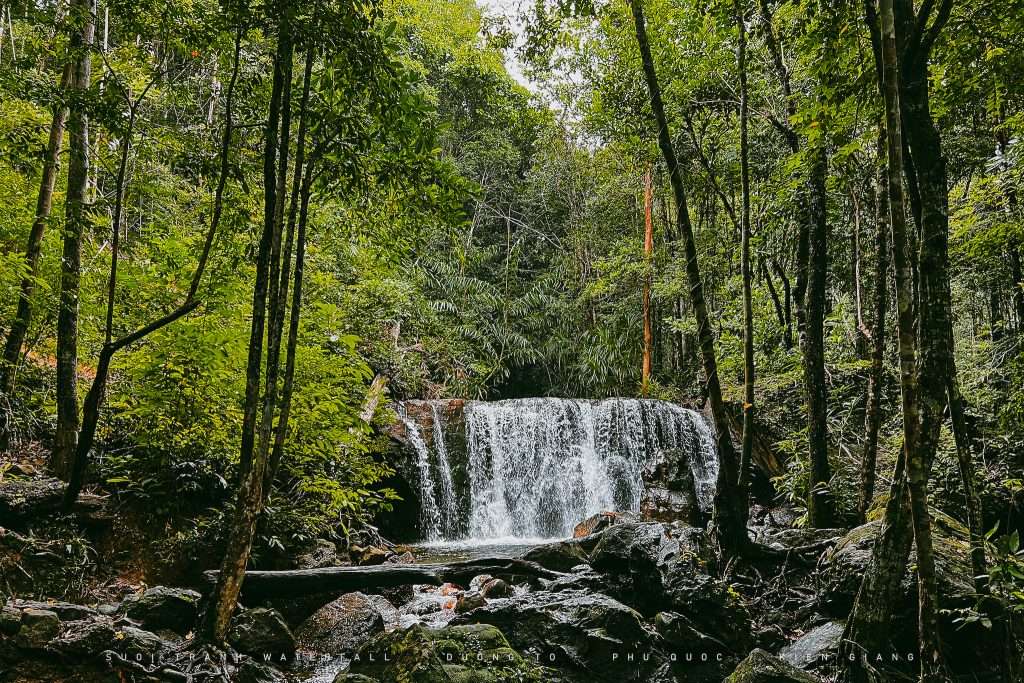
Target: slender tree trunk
{"x": 298, "y": 212}
{"x": 95, "y": 396}
{"x": 76, "y": 219}
{"x": 787, "y": 297}
{"x": 730, "y": 510}
{"x": 747, "y": 451}
{"x": 253, "y": 461}
{"x": 820, "y": 512}
{"x": 876, "y": 378}
{"x": 44, "y": 203}
{"x": 645, "y": 375}
{"x": 773, "y": 292}
{"x": 1017, "y": 277}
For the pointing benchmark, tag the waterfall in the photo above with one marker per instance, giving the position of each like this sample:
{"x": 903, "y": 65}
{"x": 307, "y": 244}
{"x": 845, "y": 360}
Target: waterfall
{"x": 534, "y": 468}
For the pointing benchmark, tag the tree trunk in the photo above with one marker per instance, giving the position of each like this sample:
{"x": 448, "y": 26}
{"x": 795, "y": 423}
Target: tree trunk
{"x": 44, "y": 203}
{"x": 730, "y": 511}
{"x": 76, "y": 219}
{"x": 252, "y": 465}
{"x": 645, "y": 374}
{"x": 298, "y": 213}
{"x": 94, "y": 398}
{"x": 876, "y": 378}
{"x": 747, "y": 450}
{"x": 820, "y": 511}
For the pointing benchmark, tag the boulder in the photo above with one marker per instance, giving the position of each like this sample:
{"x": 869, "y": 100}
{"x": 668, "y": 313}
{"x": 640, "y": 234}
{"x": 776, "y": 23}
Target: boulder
{"x": 762, "y": 667}
{"x": 22, "y": 499}
{"x": 251, "y": 671}
{"x": 496, "y": 588}
{"x": 38, "y": 628}
{"x": 574, "y": 629}
{"x": 846, "y": 562}
{"x": 136, "y": 640}
{"x": 85, "y": 638}
{"x": 699, "y": 658}
{"x": 669, "y": 493}
{"x": 343, "y": 625}
{"x": 161, "y": 607}
{"x": 261, "y": 631}
{"x": 560, "y": 556}
{"x": 471, "y": 653}
{"x": 816, "y": 648}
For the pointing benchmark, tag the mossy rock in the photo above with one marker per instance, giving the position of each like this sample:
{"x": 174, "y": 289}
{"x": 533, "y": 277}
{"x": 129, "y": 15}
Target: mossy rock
{"x": 762, "y": 667}
{"x": 470, "y": 653}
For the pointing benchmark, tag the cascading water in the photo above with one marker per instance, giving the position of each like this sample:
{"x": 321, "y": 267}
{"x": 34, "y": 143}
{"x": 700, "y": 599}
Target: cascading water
{"x": 536, "y": 467}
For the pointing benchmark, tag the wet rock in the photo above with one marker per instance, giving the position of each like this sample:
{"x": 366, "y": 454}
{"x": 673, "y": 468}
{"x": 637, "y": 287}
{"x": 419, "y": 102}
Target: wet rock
{"x": 496, "y": 588}
{"x": 846, "y": 562}
{"x": 560, "y": 556}
{"x": 816, "y": 648}
{"x": 10, "y": 620}
{"x": 401, "y": 558}
{"x": 669, "y": 493}
{"x": 584, "y": 578}
{"x": 762, "y": 667}
{"x": 477, "y": 582}
{"x": 343, "y": 625}
{"x": 250, "y": 671}
{"x": 468, "y": 602}
{"x": 797, "y": 538}
{"x": 581, "y": 630}
{"x": 699, "y": 657}
{"x": 322, "y": 554}
{"x": 261, "y": 631}
{"x": 161, "y": 607}
{"x": 471, "y": 653}
{"x": 38, "y": 627}
{"x": 595, "y": 523}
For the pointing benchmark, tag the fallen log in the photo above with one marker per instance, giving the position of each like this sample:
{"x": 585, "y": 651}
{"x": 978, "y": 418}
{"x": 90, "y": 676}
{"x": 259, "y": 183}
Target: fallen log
{"x": 266, "y": 585}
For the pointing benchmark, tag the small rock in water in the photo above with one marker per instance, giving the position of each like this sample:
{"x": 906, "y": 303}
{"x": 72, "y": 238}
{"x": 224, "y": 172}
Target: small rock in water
{"x": 469, "y": 601}
{"x": 368, "y": 556}
{"x": 496, "y": 588}
{"x": 478, "y": 581}
{"x": 449, "y": 589}
{"x": 403, "y": 558}
{"x": 594, "y": 523}
{"x": 343, "y": 625}
{"x": 560, "y": 557}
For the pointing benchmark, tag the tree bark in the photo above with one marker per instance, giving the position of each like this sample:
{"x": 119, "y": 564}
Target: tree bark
{"x": 820, "y": 512}
{"x": 645, "y": 373}
{"x": 253, "y": 460}
{"x": 876, "y": 378}
{"x": 747, "y": 449}
{"x": 68, "y": 420}
{"x": 730, "y": 511}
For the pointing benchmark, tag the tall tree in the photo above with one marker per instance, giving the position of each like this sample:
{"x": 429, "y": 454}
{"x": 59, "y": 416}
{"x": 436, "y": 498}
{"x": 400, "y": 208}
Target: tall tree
{"x": 747, "y": 451}
{"x": 730, "y": 508}
{"x": 44, "y": 204}
{"x": 83, "y": 17}
{"x": 645, "y": 375}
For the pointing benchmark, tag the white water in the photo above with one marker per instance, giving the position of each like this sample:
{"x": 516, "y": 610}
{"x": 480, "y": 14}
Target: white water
{"x": 537, "y": 467}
